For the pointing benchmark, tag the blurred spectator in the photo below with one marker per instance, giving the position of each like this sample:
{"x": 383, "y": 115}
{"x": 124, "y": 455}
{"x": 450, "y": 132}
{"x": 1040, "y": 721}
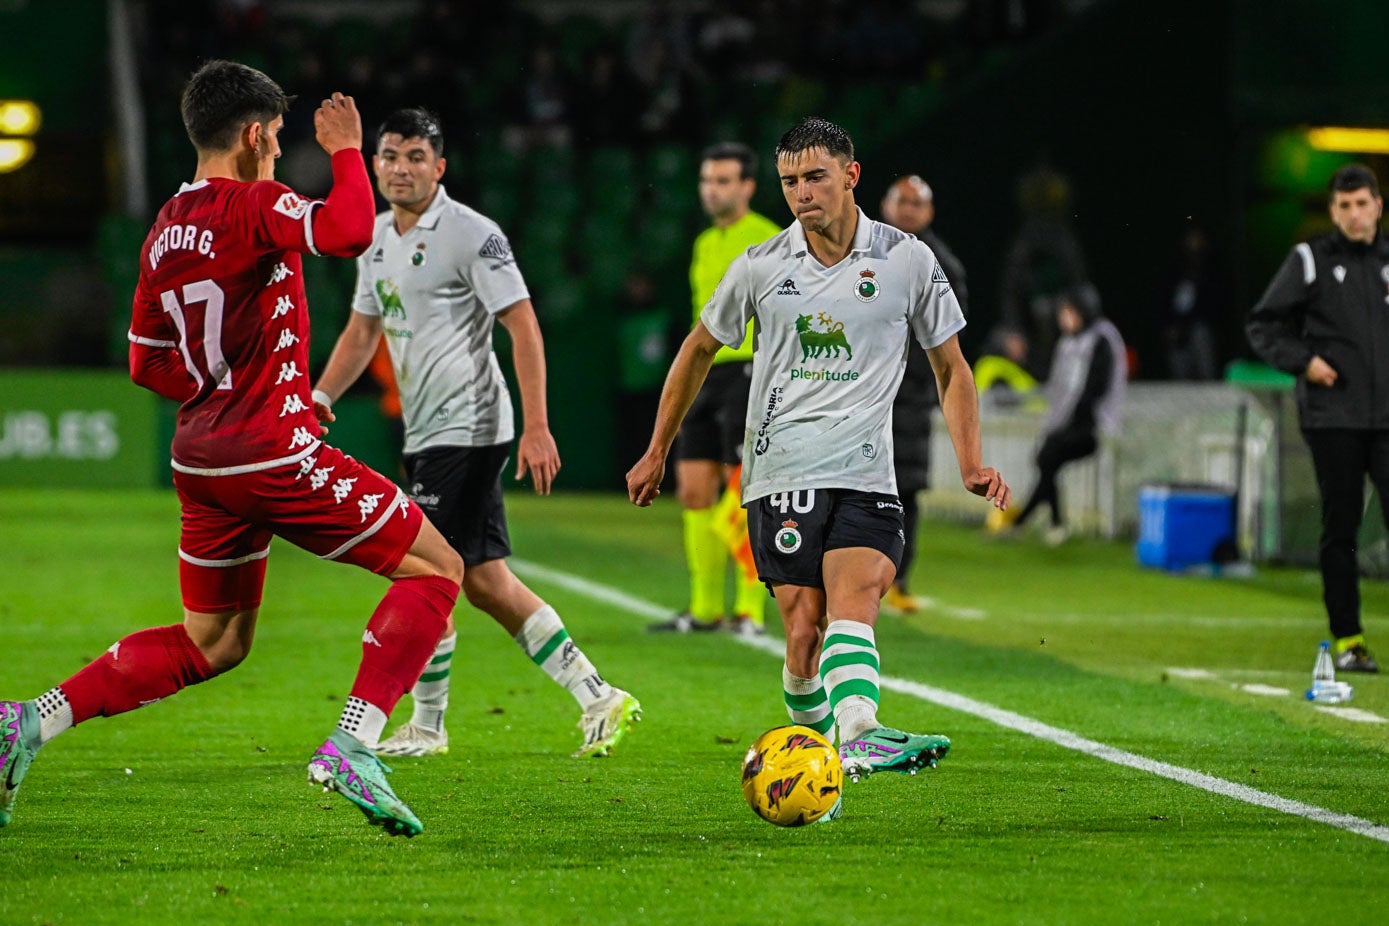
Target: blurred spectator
{"x": 1001, "y": 374}
{"x": 542, "y": 104}
{"x": 910, "y": 206}
{"x": 1043, "y": 261}
{"x": 1084, "y": 395}
{"x": 604, "y": 107}
{"x": 1192, "y": 306}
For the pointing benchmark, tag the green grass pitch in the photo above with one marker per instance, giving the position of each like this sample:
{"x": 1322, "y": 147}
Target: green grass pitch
{"x": 196, "y": 810}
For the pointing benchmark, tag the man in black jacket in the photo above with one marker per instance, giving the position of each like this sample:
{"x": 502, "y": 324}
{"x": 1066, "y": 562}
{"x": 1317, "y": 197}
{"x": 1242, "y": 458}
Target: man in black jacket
{"x": 910, "y": 206}
{"x": 1325, "y": 319}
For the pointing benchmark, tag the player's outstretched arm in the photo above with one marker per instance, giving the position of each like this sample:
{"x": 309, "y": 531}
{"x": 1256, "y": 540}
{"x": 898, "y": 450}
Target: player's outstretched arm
{"x": 960, "y": 404}
{"x": 351, "y": 354}
{"x": 536, "y": 450}
{"x": 686, "y": 376}
{"x": 343, "y": 225}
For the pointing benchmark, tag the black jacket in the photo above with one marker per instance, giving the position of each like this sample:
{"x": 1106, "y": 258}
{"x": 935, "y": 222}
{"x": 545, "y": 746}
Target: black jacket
{"x": 916, "y": 397}
{"x": 1330, "y": 299}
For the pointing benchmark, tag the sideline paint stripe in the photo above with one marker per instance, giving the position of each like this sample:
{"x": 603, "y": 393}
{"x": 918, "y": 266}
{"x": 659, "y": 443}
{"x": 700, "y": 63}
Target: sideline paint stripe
{"x": 1003, "y": 718}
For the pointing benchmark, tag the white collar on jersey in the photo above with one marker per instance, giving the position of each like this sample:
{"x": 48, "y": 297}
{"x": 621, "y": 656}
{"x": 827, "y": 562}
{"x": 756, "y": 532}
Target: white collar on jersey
{"x": 430, "y": 217}
{"x": 190, "y": 187}
{"x": 863, "y": 236}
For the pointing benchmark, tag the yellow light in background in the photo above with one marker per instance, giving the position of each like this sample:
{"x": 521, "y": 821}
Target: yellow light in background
{"x": 19, "y": 117}
{"x": 1350, "y": 140}
{"x": 14, "y": 153}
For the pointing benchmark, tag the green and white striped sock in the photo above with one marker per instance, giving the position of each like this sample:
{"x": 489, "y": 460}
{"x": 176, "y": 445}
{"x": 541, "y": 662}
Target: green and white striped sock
{"x": 547, "y": 643}
{"x": 806, "y": 702}
{"x": 431, "y": 692}
{"x": 849, "y": 666}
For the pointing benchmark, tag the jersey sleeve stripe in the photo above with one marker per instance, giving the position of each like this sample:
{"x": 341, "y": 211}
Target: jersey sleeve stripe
{"x": 1309, "y": 266}
{"x": 308, "y": 228}
{"x": 379, "y": 523}
{"x": 148, "y": 342}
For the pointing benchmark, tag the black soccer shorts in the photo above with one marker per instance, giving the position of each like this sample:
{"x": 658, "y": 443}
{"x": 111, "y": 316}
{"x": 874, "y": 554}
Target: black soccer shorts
{"x": 716, "y": 423}
{"x": 460, "y": 489}
{"x": 792, "y": 531}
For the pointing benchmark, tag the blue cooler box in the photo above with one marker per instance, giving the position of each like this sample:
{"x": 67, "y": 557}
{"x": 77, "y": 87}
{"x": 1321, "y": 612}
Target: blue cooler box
{"x": 1182, "y": 525}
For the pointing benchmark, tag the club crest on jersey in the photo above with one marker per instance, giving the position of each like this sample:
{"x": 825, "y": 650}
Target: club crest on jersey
{"x": 788, "y": 539}
{"x": 867, "y": 288}
{"x": 292, "y": 205}
{"x": 418, "y": 257}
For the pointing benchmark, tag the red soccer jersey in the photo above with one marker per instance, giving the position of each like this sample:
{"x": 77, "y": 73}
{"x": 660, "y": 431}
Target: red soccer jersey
{"x": 221, "y": 283}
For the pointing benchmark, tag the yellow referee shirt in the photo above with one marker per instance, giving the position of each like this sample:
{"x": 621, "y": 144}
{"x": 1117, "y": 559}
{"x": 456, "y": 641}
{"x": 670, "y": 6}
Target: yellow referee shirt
{"x": 714, "y": 250}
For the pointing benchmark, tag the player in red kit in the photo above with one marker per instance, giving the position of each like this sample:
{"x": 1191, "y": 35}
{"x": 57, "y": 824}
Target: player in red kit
{"x": 220, "y": 325}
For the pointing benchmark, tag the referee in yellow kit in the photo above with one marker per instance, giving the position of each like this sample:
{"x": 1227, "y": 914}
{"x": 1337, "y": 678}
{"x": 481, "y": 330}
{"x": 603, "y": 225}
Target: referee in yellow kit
{"x": 710, "y": 444}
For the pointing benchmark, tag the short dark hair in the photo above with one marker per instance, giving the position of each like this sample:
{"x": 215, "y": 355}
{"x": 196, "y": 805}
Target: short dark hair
{"x": 1353, "y": 177}
{"x": 416, "y": 122}
{"x": 734, "y": 151}
{"x": 813, "y": 132}
{"x": 223, "y": 97}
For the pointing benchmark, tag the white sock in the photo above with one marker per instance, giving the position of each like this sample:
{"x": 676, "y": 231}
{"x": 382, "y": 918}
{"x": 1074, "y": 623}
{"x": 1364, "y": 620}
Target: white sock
{"x": 431, "y": 692}
{"x": 547, "y": 643}
{"x": 807, "y": 703}
{"x": 55, "y": 714}
{"x": 849, "y": 666}
{"x": 363, "y": 720}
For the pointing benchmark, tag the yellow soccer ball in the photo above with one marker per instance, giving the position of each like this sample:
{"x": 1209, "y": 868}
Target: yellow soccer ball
{"x": 791, "y": 776}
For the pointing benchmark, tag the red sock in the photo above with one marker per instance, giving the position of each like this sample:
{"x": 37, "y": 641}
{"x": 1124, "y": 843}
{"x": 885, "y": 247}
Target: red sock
{"x": 401, "y": 636}
{"x": 138, "y": 670}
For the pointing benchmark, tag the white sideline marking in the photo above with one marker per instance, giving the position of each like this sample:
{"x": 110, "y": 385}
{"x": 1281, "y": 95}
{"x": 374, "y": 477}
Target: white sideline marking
{"x": 1181, "y": 672}
{"x": 1353, "y": 713}
{"x": 1003, "y": 718}
{"x": 1271, "y": 690}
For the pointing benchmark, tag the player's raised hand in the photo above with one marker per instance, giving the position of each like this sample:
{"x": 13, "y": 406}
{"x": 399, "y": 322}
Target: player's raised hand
{"x": 644, "y": 480}
{"x": 988, "y": 482}
{"x": 337, "y": 124}
{"x": 536, "y": 451}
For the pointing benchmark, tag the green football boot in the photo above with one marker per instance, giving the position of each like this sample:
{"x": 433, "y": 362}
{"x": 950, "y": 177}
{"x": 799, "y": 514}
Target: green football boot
{"x": 19, "y": 737}
{"x": 343, "y": 764}
{"x": 883, "y": 749}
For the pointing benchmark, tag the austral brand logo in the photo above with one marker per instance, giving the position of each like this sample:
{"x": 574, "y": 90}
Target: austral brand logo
{"x": 389, "y": 294}
{"x": 867, "y": 288}
{"x": 498, "y": 249}
{"x": 788, "y": 539}
{"x": 788, "y": 288}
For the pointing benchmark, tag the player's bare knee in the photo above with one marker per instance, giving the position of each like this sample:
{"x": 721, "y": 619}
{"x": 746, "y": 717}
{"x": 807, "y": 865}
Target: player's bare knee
{"x": 480, "y": 593}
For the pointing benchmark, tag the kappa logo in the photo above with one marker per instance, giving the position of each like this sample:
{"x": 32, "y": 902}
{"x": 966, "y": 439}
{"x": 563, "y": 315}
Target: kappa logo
{"x": 1339, "y": 273}
{"x": 293, "y": 205}
{"x": 788, "y": 288}
{"x": 370, "y": 637}
{"x": 496, "y": 248}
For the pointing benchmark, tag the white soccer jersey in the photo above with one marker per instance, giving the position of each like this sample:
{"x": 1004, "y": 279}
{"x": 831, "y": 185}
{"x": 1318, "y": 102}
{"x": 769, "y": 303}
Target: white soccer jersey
{"x": 437, "y": 290}
{"x": 830, "y": 351}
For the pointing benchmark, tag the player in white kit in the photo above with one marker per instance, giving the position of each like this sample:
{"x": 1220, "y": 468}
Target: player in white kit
{"x": 435, "y": 278}
{"x": 837, "y": 300}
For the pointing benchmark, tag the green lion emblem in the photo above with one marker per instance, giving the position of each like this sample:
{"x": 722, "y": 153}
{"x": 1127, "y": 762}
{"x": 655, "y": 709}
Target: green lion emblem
{"x": 389, "y": 294}
{"x": 826, "y": 343}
